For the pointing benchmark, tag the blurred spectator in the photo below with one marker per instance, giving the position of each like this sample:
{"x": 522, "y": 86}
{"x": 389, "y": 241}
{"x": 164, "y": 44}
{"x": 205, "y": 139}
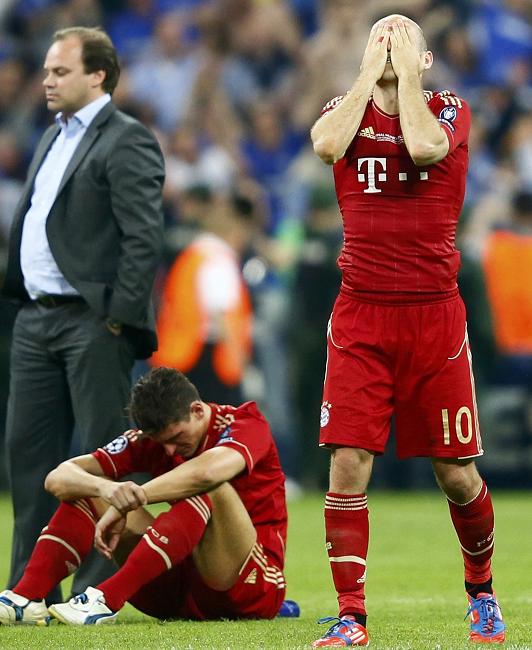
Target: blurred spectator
{"x": 11, "y": 183}
{"x": 163, "y": 74}
{"x": 508, "y": 267}
{"x": 222, "y": 68}
{"x": 266, "y": 37}
{"x": 205, "y": 317}
{"x": 502, "y": 35}
{"x": 316, "y": 268}
{"x": 507, "y": 263}
{"x": 482, "y": 171}
{"x": 188, "y": 209}
{"x": 191, "y": 162}
{"x": 269, "y": 149}
{"x": 339, "y": 46}
{"x": 520, "y": 146}
{"x": 131, "y": 27}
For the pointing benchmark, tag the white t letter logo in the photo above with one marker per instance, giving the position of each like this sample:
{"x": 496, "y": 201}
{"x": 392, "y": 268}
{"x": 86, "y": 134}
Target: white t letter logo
{"x": 371, "y": 189}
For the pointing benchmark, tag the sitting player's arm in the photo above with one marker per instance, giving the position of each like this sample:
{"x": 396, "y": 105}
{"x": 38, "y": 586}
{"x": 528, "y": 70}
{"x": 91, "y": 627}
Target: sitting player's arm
{"x": 83, "y": 477}
{"x": 333, "y": 133}
{"x": 196, "y": 476}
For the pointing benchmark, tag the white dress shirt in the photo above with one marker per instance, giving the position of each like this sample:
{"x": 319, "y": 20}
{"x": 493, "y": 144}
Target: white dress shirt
{"x": 39, "y": 268}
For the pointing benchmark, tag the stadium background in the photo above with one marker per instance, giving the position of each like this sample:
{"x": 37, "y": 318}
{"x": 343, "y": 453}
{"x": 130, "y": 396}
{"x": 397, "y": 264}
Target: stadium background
{"x": 231, "y": 88}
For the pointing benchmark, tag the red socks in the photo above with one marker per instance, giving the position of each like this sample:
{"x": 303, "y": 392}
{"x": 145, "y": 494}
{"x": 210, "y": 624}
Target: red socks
{"x": 172, "y": 536}
{"x": 347, "y": 534}
{"x": 473, "y": 523}
{"x": 60, "y": 549}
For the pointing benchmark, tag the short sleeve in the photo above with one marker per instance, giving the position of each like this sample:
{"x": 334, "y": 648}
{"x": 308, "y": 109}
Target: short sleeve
{"x": 249, "y": 434}
{"x": 454, "y": 115}
{"x": 332, "y": 104}
{"x": 123, "y": 456}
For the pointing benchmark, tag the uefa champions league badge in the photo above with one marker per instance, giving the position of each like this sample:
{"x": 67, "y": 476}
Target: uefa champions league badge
{"x": 117, "y": 445}
{"x": 448, "y": 116}
{"x": 325, "y": 414}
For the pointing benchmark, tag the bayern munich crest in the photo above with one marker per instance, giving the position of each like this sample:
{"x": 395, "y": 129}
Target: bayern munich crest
{"x": 117, "y": 445}
{"x": 325, "y": 414}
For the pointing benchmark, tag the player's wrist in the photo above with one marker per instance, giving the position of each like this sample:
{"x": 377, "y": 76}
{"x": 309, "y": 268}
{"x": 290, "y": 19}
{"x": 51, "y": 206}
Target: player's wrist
{"x": 367, "y": 78}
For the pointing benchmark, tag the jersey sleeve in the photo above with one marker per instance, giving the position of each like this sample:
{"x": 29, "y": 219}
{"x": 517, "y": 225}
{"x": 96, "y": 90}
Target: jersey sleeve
{"x": 123, "y": 456}
{"x": 453, "y": 114}
{"x": 330, "y": 105}
{"x": 249, "y": 434}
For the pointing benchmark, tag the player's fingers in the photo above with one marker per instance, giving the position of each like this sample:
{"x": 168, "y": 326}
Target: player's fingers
{"x": 393, "y": 38}
{"x": 142, "y": 499}
{"x": 403, "y": 29}
{"x": 113, "y": 542}
{"x": 398, "y": 36}
{"x": 382, "y": 35}
{"x": 99, "y": 543}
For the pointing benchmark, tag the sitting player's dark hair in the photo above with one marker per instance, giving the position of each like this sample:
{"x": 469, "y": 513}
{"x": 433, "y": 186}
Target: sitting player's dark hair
{"x": 161, "y": 397}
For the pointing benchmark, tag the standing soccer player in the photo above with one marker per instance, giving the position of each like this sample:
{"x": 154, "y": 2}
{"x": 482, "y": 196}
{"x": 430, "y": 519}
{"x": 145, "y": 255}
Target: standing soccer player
{"x": 397, "y": 339}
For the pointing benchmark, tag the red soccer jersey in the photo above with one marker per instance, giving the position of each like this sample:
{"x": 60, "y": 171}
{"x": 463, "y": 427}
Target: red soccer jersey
{"x": 260, "y": 486}
{"x": 399, "y": 219}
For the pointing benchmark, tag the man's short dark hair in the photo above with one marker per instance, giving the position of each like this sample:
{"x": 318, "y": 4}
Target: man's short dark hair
{"x": 161, "y": 397}
{"x": 98, "y": 53}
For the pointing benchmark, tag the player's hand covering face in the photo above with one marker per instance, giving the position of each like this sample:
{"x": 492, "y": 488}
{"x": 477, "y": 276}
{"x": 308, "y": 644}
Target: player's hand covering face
{"x": 404, "y": 52}
{"x": 376, "y": 54}
{"x": 393, "y": 50}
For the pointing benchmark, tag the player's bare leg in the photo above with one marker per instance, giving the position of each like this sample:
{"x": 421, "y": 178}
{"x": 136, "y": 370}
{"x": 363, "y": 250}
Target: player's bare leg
{"x": 136, "y": 525}
{"x": 227, "y": 541}
{"x": 472, "y": 516}
{"x": 347, "y": 533}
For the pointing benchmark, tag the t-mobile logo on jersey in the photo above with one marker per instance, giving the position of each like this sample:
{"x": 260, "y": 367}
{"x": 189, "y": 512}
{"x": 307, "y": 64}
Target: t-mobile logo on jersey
{"x": 372, "y": 175}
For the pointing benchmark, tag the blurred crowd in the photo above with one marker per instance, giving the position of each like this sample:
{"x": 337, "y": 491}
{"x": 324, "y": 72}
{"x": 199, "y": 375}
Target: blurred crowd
{"x": 231, "y": 89}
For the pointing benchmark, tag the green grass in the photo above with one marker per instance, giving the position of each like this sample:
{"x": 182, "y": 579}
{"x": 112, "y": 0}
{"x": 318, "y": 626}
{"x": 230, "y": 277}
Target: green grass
{"x": 414, "y": 592}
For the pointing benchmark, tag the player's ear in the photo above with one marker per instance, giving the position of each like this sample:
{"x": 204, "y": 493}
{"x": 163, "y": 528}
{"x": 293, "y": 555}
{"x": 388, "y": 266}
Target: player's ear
{"x": 197, "y": 409}
{"x": 427, "y": 60}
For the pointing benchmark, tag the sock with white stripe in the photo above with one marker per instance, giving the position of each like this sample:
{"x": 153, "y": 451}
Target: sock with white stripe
{"x": 171, "y": 537}
{"x": 474, "y": 525}
{"x": 347, "y": 535}
{"x": 59, "y": 550}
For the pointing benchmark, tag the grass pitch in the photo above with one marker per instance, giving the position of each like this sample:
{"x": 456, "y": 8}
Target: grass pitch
{"x": 414, "y": 592}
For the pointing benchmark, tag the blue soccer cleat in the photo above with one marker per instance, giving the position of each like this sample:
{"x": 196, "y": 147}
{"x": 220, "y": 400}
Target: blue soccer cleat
{"x": 345, "y": 632}
{"x": 487, "y": 625}
{"x": 88, "y": 608}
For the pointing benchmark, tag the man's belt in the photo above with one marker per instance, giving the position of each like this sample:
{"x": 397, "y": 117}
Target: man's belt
{"x": 49, "y": 300}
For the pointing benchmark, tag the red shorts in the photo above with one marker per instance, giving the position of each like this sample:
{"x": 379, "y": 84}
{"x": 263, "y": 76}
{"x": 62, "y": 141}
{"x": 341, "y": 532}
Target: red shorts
{"x": 412, "y": 360}
{"x": 181, "y": 593}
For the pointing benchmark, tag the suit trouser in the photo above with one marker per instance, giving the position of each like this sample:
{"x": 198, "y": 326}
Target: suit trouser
{"x": 66, "y": 368}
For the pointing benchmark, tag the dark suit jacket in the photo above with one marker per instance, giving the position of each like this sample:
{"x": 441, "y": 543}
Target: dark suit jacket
{"x": 105, "y": 227}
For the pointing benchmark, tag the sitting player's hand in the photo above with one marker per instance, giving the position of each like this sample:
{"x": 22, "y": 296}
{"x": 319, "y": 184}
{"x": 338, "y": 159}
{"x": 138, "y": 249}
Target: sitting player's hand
{"x": 108, "y": 531}
{"x": 124, "y": 496}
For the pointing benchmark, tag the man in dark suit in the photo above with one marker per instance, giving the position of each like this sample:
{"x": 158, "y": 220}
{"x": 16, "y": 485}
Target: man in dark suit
{"x": 85, "y": 243}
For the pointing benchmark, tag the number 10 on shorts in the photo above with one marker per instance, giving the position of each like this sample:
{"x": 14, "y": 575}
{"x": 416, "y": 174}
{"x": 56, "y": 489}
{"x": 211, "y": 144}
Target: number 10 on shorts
{"x": 464, "y": 439}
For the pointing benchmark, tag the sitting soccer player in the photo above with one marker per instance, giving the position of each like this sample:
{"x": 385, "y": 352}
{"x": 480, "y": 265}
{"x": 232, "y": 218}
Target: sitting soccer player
{"x": 218, "y": 551}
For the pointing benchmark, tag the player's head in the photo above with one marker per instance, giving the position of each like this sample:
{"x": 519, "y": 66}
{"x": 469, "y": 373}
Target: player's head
{"x": 168, "y": 408}
{"x": 161, "y": 396}
{"x": 417, "y": 33}
{"x": 97, "y": 52}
